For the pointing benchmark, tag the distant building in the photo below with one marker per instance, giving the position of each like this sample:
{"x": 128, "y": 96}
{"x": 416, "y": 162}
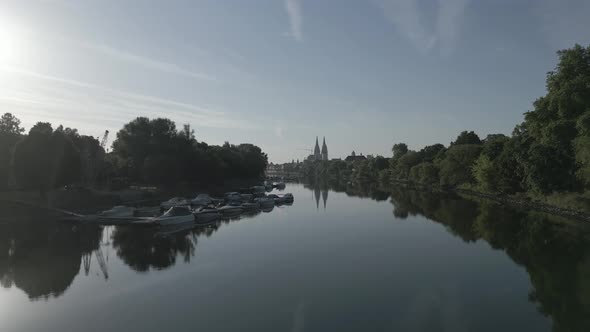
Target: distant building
{"x": 354, "y": 157}
{"x": 317, "y": 153}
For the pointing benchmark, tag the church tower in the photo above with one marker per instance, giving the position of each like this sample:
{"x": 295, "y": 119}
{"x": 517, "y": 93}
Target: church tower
{"x": 316, "y": 150}
{"x": 324, "y": 150}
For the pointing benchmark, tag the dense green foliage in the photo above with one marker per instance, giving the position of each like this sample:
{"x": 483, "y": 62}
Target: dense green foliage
{"x": 549, "y": 152}
{"x": 145, "y": 151}
{"x": 154, "y": 151}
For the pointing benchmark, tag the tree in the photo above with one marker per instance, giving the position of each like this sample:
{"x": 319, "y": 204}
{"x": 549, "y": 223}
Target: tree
{"x": 155, "y": 151}
{"x": 485, "y": 173}
{"x": 424, "y": 173}
{"x": 399, "y": 150}
{"x": 455, "y": 168}
{"x": 10, "y": 133}
{"x": 42, "y": 128}
{"x": 45, "y": 160}
{"x": 9, "y": 124}
{"x": 493, "y": 145}
{"x": 467, "y": 137}
{"x": 431, "y": 152}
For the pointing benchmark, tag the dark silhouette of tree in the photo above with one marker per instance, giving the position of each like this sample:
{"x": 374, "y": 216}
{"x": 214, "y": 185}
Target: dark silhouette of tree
{"x": 9, "y": 124}
{"x": 467, "y": 137}
{"x": 45, "y": 159}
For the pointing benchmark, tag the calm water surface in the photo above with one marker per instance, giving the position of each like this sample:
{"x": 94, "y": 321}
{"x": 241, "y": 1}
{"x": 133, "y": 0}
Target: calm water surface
{"x": 400, "y": 261}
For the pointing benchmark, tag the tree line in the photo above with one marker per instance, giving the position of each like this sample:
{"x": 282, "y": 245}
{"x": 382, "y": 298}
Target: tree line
{"x": 548, "y": 152}
{"x": 148, "y": 151}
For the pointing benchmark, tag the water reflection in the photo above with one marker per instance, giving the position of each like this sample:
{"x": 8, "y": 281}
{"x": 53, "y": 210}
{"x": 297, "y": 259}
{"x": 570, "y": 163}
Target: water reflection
{"x": 40, "y": 256}
{"x": 554, "y": 251}
{"x": 43, "y": 258}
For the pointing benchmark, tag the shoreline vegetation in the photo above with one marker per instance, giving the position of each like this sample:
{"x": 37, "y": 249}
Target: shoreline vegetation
{"x": 61, "y": 166}
{"x": 544, "y": 164}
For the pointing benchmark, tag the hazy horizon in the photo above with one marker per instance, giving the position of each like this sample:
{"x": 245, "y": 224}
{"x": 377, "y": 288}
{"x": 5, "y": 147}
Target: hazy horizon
{"x": 279, "y": 73}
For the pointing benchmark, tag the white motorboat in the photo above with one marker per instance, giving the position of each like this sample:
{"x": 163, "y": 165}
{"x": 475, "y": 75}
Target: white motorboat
{"x": 288, "y": 197}
{"x": 172, "y": 229}
{"x": 233, "y": 197}
{"x": 246, "y": 197}
{"x": 202, "y": 200}
{"x": 251, "y": 206}
{"x": 176, "y": 201}
{"x": 268, "y": 209}
{"x": 175, "y": 215}
{"x": 119, "y": 211}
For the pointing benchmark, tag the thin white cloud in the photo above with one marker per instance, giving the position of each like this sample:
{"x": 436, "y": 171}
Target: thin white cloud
{"x": 293, "y": 8}
{"x": 408, "y": 18}
{"x": 146, "y": 62}
{"x": 38, "y": 97}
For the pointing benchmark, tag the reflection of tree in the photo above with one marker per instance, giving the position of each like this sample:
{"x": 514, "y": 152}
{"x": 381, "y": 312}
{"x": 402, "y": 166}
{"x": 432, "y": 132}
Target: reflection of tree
{"x": 555, "y": 253}
{"x": 152, "y": 248}
{"x": 143, "y": 249}
{"x": 42, "y": 257}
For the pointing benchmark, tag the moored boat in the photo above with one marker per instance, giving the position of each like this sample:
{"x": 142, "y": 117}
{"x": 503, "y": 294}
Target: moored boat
{"x": 202, "y": 200}
{"x": 175, "y": 201}
{"x": 206, "y": 215}
{"x": 230, "y": 209}
{"x": 258, "y": 189}
{"x": 250, "y": 206}
{"x": 175, "y": 215}
{"x": 119, "y": 211}
{"x": 265, "y": 202}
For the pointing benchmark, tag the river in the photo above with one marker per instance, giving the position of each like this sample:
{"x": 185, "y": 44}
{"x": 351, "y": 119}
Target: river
{"x": 336, "y": 260}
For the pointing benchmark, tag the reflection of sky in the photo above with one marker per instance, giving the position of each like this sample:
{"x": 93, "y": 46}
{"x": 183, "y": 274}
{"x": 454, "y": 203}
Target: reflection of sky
{"x": 348, "y": 268}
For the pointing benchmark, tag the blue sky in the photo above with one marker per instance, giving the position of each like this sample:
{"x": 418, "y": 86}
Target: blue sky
{"x": 365, "y": 74}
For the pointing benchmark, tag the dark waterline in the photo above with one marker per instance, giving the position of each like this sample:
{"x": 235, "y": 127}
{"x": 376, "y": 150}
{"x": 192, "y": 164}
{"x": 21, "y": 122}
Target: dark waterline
{"x": 365, "y": 260}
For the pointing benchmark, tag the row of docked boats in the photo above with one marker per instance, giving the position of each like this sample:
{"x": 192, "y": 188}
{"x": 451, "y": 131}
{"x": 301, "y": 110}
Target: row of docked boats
{"x": 203, "y": 209}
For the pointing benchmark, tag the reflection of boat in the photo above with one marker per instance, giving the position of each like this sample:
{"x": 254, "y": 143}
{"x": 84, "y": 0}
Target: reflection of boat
{"x": 206, "y": 215}
{"x": 167, "y": 230}
{"x": 176, "y": 201}
{"x": 175, "y": 215}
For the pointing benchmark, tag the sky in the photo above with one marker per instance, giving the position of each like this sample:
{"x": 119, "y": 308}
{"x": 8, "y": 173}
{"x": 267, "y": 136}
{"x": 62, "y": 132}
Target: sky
{"x": 278, "y": 73}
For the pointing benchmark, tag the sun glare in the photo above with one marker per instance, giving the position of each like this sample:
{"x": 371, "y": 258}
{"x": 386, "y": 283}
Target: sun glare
{"x": 9, "y": 45}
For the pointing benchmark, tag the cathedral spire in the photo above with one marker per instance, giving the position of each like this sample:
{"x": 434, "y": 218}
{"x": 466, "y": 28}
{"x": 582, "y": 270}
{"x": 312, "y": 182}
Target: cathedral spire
{"x": 324, "y": 150}
{"x": 316, "y": 151}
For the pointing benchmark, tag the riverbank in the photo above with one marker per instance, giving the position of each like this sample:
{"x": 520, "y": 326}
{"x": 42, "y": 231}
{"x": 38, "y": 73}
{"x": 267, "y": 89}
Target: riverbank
{"x": 523, "y": 202}
{"x": 89, "y": 200}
